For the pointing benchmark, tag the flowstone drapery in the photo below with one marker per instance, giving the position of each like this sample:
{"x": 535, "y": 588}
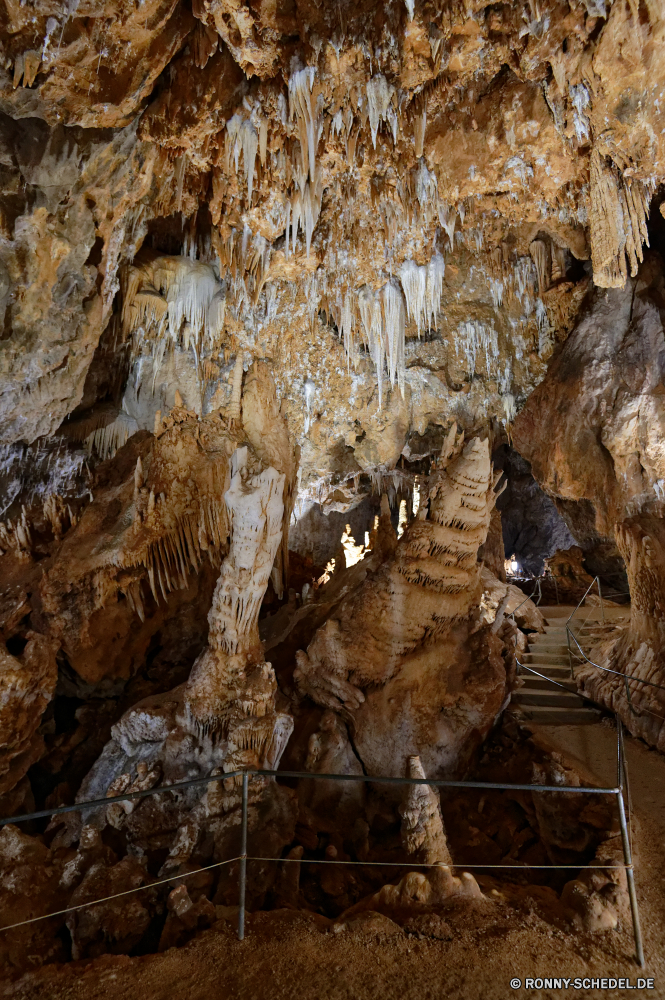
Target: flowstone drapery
{"x": 406, "y": 653}
{"x": 224, "y": 717}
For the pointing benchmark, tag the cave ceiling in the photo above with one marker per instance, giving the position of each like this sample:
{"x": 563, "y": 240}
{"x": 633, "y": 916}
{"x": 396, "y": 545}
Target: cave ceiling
{"x": 292, "y": 292}
{"x": 401, "y": 207}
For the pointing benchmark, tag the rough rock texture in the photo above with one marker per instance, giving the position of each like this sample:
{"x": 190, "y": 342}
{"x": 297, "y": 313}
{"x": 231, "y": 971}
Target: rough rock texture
{"x": 158, "y": 514}
{"x": 532, "y": 527}
{"x": 63, "y": 191}
{"x": 308, "y": 149}
{"x": 258, "y": 262}
{"x": 413, "y": 615}
{"x": 28, "y": 683}
{"x": 224, "y": 717}
{"x": 592, "y": 433}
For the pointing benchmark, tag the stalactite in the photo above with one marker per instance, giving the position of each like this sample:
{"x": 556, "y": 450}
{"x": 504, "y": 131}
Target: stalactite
{"x": 618, "y": 216}
{"x": 474, "y": 337}
{"x": 540, "y": 254}
{"x": 107, "y": 440}
{"x": 379, "y": 96}
{"x": 423, "y": 287}
{"x": 236, "y": 389}
{"x": 300, "y": 106}
{"x": 419, "y": 126}
{"x": 163, "y": 292}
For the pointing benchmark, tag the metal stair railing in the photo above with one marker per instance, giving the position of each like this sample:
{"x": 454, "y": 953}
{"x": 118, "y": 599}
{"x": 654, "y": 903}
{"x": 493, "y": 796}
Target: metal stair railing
{"x": 570, "y": 634}
{"x": 622, "y": 782}
{"x": 537, "y": 590}
{"x": 596, "y": 580}
{"x": 622, "y": 773}
{"x": 618, "y": 673}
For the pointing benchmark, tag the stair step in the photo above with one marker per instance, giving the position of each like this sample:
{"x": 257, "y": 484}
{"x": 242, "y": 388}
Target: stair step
{"x": 532, "y": 682}
{"x": 550, "y": 649}
{"x": 546, "y": 696}
{"x": 556, "y": 673}
{"x": 554, "y": 660}
{"x": 547, "y": 716}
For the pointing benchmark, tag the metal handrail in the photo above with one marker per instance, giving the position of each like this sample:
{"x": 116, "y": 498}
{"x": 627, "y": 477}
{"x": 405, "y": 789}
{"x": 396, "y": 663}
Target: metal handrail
{"x": 550, "y": 680}
{"x": 618, "y": 673}
{"x": 596, "y": 579}
{"x": 530, "y": 597}
{"x": 246, "y": 774}
{"x": 556, "y": 585}
{"x": 622, "y": 781}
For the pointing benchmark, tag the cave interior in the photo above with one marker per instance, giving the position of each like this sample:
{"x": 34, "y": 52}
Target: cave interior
{"x": 332, "y": 365}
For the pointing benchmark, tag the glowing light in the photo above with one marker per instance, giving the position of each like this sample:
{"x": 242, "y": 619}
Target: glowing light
{"x": 401, "y": 524}
{"x": 352, "y": 553}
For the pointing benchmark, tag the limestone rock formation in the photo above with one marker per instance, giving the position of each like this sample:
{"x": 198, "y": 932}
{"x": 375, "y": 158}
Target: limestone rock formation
{"x": 224, "y": 717}
{"x": 157, "y": 519}
{"x": 600, "y": 409}
{"x": 28, "y": 683}
{"x": 423, "y": 834}
{"x": 410, "y": 617}
{"x": 308, "y": 151}
{"x": 31, "y": 888}
{"x": 419, "y": 893}
{"x": 281, "y": 287}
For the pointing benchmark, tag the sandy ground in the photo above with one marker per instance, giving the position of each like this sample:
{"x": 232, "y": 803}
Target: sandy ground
{"x": 286, "y": 955}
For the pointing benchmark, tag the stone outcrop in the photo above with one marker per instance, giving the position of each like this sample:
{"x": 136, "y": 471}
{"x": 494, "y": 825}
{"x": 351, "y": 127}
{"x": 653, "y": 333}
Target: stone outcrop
{"x": 258, "y": 263}
{"x": 224, "y": 718}
{"x": 302, "y": 155}
{"x": 591, "y": 434}
{"x": 413, "y": 615}
{"x": 157, "y": 519}
{"x": 28, "y": 683}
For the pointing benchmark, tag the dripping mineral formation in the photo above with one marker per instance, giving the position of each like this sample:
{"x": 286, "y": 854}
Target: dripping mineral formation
{"x": 331, "y": 442}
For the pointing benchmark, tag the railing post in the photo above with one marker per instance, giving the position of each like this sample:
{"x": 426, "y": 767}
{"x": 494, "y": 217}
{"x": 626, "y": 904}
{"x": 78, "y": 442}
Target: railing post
{"x": 625, "y": 784}
{"x": 243, "y": 859}
{"x": 602, "y": 608}
{"x": 630, "y": 878}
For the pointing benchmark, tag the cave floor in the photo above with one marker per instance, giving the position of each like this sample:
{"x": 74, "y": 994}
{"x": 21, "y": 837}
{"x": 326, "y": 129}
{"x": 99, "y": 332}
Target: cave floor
{"x": 286, "y": 955}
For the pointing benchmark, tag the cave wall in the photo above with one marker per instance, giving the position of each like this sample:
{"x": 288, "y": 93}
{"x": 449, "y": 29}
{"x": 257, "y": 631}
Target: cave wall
{"x": 592, "y": 433}
{"x": 536, "y": 525}
{"x": 266, "y": 270}
{"x": 532, "y": 526}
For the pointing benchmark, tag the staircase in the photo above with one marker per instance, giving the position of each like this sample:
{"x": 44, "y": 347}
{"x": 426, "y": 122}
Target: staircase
{"x": 539, "y": 701}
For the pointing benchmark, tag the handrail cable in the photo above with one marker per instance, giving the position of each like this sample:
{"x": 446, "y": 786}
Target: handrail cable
{"x": 625, "y": 677}
{"x": 617, "y": 791}
{"x": 622, "y": 771}
{"x": 530, "y": 597}
{"x": 243, "y": 858}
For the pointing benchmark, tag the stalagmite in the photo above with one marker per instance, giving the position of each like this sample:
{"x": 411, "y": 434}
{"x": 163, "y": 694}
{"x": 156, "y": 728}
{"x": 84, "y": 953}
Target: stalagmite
{"x": 409, "y": 605}
{"x": 422, "y": 827}
{"x": 279, "y": 282}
